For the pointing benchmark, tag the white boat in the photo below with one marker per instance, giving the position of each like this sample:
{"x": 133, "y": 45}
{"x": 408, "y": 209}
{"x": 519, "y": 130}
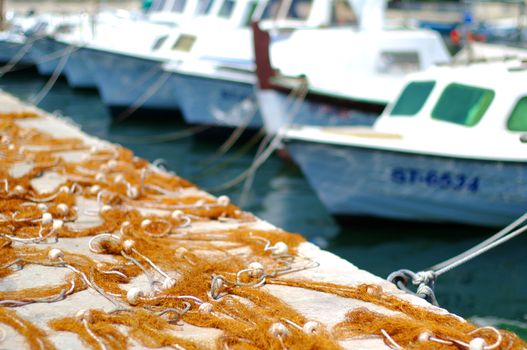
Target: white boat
{"x": 218, "y": 87}
{"x": 451, "y": 148}
{"x": 45, "y": 53}
{"x": 118, "y": 30}
{"x": 133, "y": 76}
{"x": 108, "y": 27}
{"x": 345, "y": 84}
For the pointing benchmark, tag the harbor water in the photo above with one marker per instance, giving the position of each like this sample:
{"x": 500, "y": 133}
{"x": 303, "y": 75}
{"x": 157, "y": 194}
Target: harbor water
{"x": 491, "y": 289}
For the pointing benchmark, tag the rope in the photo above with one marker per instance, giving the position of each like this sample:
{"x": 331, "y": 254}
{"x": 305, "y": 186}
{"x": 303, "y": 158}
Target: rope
{"x": 17, "y": 57}
{"x": 275, "y": 143}
{"x": 54, "y": 77}
{"x": 231, "y": 140}
{"x": 491, "y": 239}
{"x": 243, "y": 150}
{"x": 178, "y": 135}
{"x": 295, "y": 105}
{"x": 425, "y": 280}
{"x": 480, "y": 251}
{"x": 145, "y": 96}
{"x": 45, "y": 58}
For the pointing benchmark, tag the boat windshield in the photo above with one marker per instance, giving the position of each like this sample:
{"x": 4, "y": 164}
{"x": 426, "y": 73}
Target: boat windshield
{"x": 159, "y": 42}
{"x": 342, "y": 14}
{"x": 157, "y": 5}
{"x": 287, "y": 9}
{"x": 178, "y": 6}
{"x": 413, "y": 98}
{"x": 518, "y": 119}
{"x": 184, "y": 43}
{"x": 227, "y": 8}
{"x": 203, "y": 7}
{"x": 463, "y": 104}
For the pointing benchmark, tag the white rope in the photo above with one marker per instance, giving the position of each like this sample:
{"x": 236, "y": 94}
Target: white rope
{"x": 275, "y": 143}
{"x": 154, "y": 88}
{"x": 480, "y": 251}
{"x": 17, "y": 57}
{"x": 54, "y": 77}
{"x": 483, "y": 244}
{"x": 425, "y": 279}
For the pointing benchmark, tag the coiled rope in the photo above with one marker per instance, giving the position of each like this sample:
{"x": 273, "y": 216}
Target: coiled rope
{"x": 425, "y": 280}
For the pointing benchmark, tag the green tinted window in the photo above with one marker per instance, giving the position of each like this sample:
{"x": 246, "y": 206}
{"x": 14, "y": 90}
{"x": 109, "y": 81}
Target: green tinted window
{"x": 413, "y": 98}
{"x": 226, "y": 9}
{"x": 518, "y": 119}
{"x": 463, "y": 104}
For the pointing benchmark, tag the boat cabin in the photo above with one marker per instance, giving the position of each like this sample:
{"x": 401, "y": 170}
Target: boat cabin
{"x": 467, "y": 101}
{"x": 209, "y": 15}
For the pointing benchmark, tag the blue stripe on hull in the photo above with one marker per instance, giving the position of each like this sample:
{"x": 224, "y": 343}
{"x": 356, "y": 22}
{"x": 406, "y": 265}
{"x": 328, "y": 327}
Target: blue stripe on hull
{"x": 357, "y": 181}
{"x": 217, "y": 102}
{"x": 78, "y": 72}
{"x": 124, "y": 80}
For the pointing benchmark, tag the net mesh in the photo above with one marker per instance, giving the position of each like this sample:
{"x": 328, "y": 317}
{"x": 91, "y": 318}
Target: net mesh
{"x": 155, "y": 225}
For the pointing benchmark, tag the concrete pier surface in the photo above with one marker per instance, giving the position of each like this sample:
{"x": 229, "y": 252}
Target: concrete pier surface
{"x": 100, "y": 249}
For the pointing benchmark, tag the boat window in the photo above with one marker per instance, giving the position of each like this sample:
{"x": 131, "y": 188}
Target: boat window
{"x": 250, "y": 13}
{"x": 518, "y": 119}
{"x": 413, "y": 98}
{"x": 178, "y": 5}
{"x": 184, "y": 43}
{"x": 296, "y": 9}
{"x": 300, "y": 9}
{"x": 271, "y": 9}
{"x": 203, "y": 7}
{"x": 157, "y": 5}
{"x": 159, "y": 42}
{"x": 227, "y": 8}
{"x": 64, "y": 28}
{"x": 398, "y": 62}
{"x": 462, "y": 104}
{"x": 342, "y": 13}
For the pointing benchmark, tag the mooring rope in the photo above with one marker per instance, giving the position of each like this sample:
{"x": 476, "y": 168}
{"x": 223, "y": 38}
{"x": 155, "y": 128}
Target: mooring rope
{"x": 295, "y": 105}
{"x": 425, "y": 280}
{"x": 145, "y": 96}
{"x": 213, "y": 170}
{"x": 54, "y": 77}
{"x": 18, "y": 56}
{"x": 275, "y": 143}
{"x": 174, "y": 136}
{"x": 233, "y": 138}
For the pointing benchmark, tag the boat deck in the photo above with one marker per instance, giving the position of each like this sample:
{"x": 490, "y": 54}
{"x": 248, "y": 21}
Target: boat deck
{"x": 100, "y": 249}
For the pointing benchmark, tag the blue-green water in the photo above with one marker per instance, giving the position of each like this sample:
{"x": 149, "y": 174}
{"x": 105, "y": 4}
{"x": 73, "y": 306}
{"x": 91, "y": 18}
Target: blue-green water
{"x": 493, "y": 286}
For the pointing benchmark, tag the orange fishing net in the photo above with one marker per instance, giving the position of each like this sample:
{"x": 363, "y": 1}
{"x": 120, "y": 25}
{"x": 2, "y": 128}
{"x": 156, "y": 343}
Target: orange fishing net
{"x": 206, "y": 261}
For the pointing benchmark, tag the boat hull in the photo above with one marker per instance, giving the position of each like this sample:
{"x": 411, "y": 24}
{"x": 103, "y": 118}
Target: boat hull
{"x": 216, "y": 102}
{"x": 46, "y": 53}
{"x": 278, "y": 109}
{"x": 77, "y": 71}
{"x": 356, "y": 181}
{"x": 127, "y": 81}
{"x": 8, "y": 50}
